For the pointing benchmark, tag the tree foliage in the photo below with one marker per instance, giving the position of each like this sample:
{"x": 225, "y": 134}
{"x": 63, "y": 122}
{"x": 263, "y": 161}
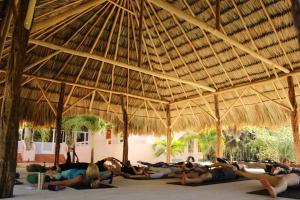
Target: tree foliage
{"x": 160, "y": 147}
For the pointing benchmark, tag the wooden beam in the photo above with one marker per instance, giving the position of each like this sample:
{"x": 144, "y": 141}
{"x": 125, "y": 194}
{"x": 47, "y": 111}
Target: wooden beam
{"x": 56, "y": 19}
{"x": 60, "y": 107}
{"x": 195, "y": 21}
{"x": 263, "y": 95}
{"x": 294, "y": 118}
{"x": 232, "y": 105}
{"x": 218, "y": 128}
{"x": 169, "y": 134}
{"x": 10, "y": 110}
{"x": 295, "y": 72}
{"x": 79, "y": 100}
{"x": 45, "y": 96}
{"x": 92, "y": 88}
{"x": 125, "y": 131}
{"x": 120, "y": 64}
{"x": 179, "y": 114}
{"x": 157, "y": 114}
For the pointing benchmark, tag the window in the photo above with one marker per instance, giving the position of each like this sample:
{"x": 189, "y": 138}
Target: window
{"x": 82, "y": 136}
{"x": 191, "y": 146}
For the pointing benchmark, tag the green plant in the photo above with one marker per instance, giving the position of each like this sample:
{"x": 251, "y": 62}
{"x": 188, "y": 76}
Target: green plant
{"x": 160, "y": 147}
{"x": 43, "y": 132}
{"x": 92, "y": 123}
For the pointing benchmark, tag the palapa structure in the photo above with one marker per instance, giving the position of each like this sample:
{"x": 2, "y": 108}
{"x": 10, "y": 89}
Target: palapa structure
{"x": 155, "y": 66}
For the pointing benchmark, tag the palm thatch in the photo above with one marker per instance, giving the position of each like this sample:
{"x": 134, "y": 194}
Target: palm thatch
{"x": 251, "y": 91}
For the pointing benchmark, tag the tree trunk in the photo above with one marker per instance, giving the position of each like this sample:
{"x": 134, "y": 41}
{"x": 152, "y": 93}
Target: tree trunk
{"x": 93, "y": 147}
{"x": 9, "y": 126}
{"x": 125, "y": 132}
{"x": 60, "y": 108}
{"x": 169, "y": 135}
{"x": 294, "y": 118}
{"x": 218, "y": 128}
{"x": 28, "y": 138}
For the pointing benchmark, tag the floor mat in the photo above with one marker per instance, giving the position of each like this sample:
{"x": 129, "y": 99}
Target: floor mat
{"x": 209, "y": 182}
{"x": 292, "y": 193}
{"x": 87, "y": 187}
{"x": 147, "y": 178}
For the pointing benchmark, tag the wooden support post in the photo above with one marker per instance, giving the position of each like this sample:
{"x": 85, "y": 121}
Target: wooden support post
{"x": 9, "y": 125}
{"x": 60, "y": 108}
{"x": 125, "y": 131}
{"x": 169, "y": 135}
{"x": 294, "y": 118}
{"x": 296, "y": 16}
{"x": 218, "y": 128}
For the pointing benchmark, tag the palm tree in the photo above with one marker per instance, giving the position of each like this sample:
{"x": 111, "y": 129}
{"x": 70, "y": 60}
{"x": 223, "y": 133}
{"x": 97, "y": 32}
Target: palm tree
{"x": 160, "y": 147}
{"x": 92, "y": 123}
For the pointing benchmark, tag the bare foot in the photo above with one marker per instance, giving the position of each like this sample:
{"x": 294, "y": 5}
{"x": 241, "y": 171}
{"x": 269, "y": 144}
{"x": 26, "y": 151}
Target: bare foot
{"x": 183, "y": 178}
{"x": 269, "y": 187}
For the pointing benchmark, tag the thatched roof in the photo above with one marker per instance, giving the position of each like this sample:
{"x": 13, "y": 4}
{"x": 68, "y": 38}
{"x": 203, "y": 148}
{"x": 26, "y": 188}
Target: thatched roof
{"x": 173, "y": 48}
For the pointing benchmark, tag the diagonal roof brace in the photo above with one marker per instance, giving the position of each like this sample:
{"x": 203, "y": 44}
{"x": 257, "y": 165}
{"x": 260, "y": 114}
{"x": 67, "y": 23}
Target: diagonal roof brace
{"x": 193, "y": 20}
{"x": 56, "y": 19}
{"x": 120, "y": 64}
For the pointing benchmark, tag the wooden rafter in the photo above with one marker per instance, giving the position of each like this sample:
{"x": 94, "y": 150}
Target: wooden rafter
{"x": 56, "y": 19}
{"x": 45, "y": 96}
{"x": 121, "y": 64}
{"x": 78, "y": 101}
{"x": 179, "y": 114}
{"x": 263, "y": 95}
{"x": 148, "y": 58}
{"x": 241, "y": 86}
{"x": 156, "y": 53}
{"x": 193, "y": 20}
{"x": 92, "y": 88}
{"x": 232, "y": 105}
{"x": 157, "y": 114}
{"x": 78, "y": 46}
{"x": 165, "y": 49}
{"x": 91, "y": 50}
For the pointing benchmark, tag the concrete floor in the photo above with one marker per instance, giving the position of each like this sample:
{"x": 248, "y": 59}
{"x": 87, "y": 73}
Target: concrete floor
{"x": 148, "y": 190}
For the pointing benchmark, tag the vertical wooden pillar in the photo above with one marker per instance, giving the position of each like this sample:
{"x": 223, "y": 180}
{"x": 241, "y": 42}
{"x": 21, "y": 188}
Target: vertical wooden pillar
{"x": 9, "y": 125}
{"x": 60, "y": 108}
{"x": 169, "y": 135}
{"x": 294, "y": 118}
{"x": 218, "y": 128}
{"x": 296, "y": 16}
{"x": 125, "y": 131}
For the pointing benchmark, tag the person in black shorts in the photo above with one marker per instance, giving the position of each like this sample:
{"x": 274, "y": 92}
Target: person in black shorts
{"x": 221, "y": 172}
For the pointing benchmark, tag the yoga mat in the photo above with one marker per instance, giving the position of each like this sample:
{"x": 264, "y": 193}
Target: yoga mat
{"x": 209, "y": 182}
{"x": 87, "y": 187}
{"x": 147, "y": 178}
{"x": 292, "y": 193}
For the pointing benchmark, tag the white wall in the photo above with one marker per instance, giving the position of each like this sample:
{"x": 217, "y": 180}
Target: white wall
{"x": 140, "y": 148}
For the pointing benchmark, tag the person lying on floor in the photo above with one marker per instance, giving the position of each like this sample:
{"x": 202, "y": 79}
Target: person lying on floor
{"x": 220, "y": 172}
{"x": 274, "y": 184}
{"x": 274, "y": 168}
{"x": 190, "y": 162}
{"x": 74, "y": 177}
{"x": 172, "y": 171}
{"x": 127, "y": 169}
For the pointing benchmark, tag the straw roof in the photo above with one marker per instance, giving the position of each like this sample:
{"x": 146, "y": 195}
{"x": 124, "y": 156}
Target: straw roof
{"x": 189, "y": 62}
